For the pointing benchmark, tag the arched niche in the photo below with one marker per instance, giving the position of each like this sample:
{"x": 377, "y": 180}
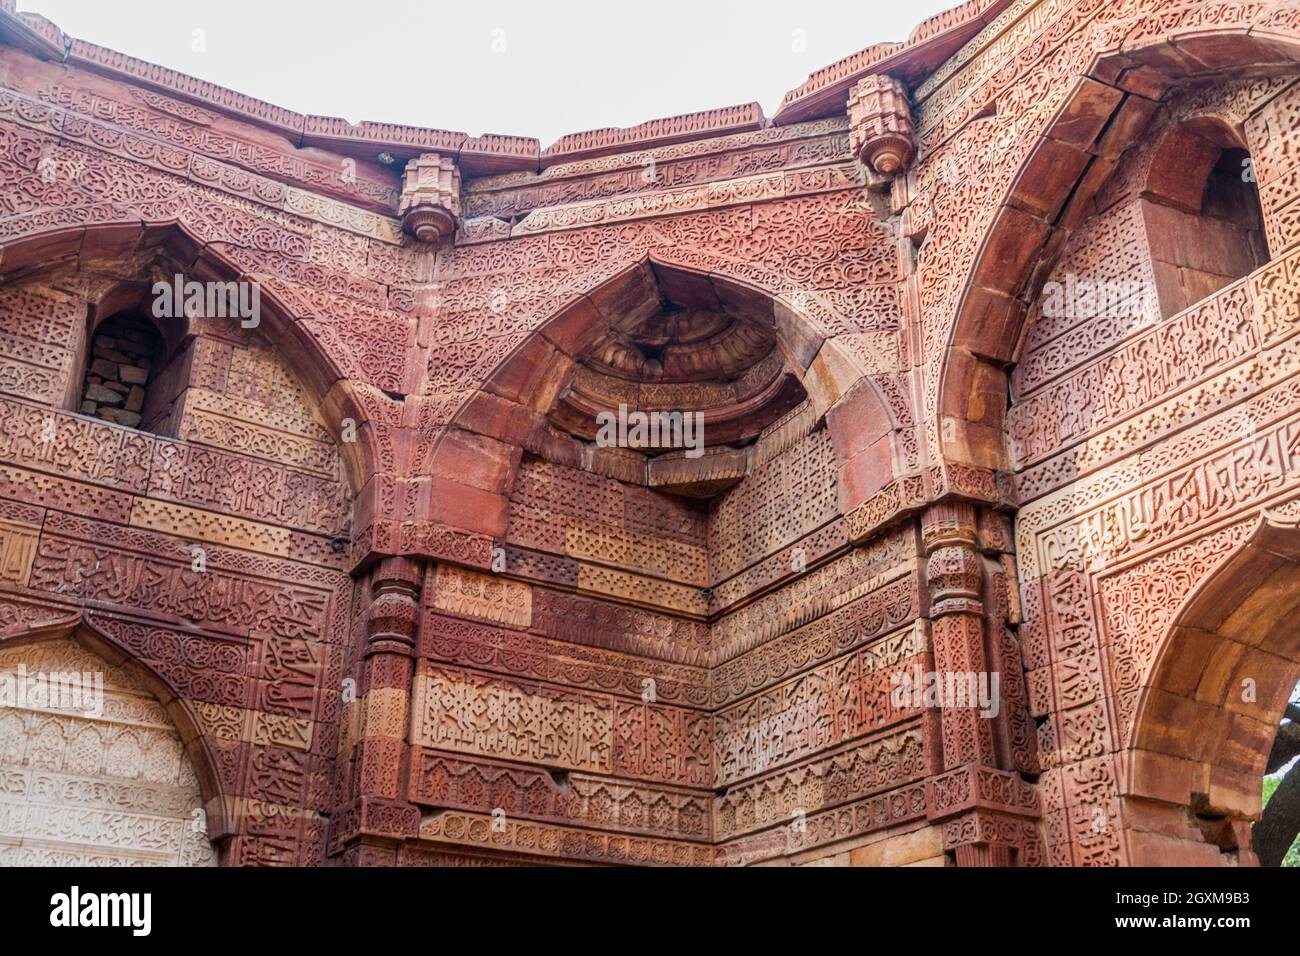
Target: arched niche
{"x": 1210, "y": 706}
{"x": 1052, "y": 195}
{"x": 115, "y": 267}
{"x": 758, "y": 359}
{"x": 94, "y": 768}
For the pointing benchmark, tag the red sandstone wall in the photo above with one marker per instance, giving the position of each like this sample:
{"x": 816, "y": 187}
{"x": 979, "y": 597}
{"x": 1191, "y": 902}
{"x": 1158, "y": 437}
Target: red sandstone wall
{"x": 1182, "y": 411}
{"x": 436, "y": 628}
{"x": 102, "y": 522}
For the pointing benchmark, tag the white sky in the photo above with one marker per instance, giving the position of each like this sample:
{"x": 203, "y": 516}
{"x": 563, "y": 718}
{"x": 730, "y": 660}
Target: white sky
{"x": 566, "y": 66}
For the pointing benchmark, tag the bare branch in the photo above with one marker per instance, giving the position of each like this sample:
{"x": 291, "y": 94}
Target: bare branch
{"x": 1280, "y": 822}
{"x": 1286, "y": 747}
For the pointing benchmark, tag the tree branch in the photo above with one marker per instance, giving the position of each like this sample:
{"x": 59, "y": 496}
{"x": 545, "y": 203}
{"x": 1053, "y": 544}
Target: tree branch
{"x": 1280, "y": 822}
{"x": 1286, "y": 747}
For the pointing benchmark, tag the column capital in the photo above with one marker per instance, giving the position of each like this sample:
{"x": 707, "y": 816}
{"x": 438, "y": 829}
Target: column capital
{"x": 392, "y": 619}
{"x": 949, "y": 523}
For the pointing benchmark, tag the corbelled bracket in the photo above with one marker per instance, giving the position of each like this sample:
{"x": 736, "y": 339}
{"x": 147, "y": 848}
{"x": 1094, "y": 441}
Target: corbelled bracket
{"x": 880, "y": 125}
{"x": 430, "y": 204}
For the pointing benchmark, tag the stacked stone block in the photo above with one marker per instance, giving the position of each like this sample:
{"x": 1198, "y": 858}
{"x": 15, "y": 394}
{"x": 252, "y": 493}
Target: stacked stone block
{"x": 512, "y": 648}
{"x": 122, "y": 355}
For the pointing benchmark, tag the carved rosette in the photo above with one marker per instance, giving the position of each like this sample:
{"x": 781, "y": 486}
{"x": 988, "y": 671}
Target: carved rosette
{"x": 880, "y": 125}
{"x": 430, "y": 203}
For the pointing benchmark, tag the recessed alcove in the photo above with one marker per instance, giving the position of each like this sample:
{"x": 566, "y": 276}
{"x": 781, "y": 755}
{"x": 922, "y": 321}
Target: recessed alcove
{"x": 1202, "y": 213}
{"x": 672, "y": 345}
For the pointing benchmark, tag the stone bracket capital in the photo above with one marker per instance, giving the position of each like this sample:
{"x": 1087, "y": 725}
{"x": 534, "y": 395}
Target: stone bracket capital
{"x": 392, "y": 619}
{"x": 978, "y": 788}
{"x": 430, "y": 202}
{"x": 880, "y": 125}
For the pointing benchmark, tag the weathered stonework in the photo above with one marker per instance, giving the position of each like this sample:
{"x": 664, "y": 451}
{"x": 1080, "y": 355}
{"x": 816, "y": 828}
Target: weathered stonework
{"x": 993, "y": 338}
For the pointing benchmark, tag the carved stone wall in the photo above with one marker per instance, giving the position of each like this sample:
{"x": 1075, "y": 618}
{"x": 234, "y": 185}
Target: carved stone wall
{"x": 405, "y": 609}
{"x": 1146, "y": 447}
{"x": 214, "y": 541}
{"x": 99, "y": 779}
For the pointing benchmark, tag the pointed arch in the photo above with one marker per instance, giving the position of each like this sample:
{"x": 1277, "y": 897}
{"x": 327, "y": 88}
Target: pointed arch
{"x": 80, "y": 628}
{"x": 27, "y": 256}
{"x": 479, "y": 453}
{"x": 1210, "y": 706}
{"x": 1051, "y": 195}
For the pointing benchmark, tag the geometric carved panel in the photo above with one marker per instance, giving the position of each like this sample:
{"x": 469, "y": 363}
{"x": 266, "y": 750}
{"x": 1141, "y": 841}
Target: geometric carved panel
{"x": 476, "y": 715}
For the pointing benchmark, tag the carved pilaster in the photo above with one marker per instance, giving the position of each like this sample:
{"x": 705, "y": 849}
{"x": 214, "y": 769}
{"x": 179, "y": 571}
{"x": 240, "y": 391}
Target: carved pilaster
{"x": 955, "y": 577}
{"x": 430, "y": 203}
{"x": 379, "y": 816}
{"x": 880, "y": 125}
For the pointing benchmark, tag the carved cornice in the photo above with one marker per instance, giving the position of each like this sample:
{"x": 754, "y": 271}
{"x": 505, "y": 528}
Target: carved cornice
{"x": 933, "y": 41}
{"x": 482, "y": 154}
{"x": 823, "y": 94}
{"x": 659, "y": 132}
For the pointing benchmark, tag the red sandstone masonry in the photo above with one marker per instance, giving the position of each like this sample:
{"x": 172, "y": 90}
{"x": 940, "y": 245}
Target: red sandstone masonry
{"x": 385, "y": 582}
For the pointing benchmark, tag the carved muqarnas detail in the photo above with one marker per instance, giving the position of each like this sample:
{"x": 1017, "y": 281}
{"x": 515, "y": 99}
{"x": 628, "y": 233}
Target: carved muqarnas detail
{"x": 880, "y": 125}
{"x": 430, "y": 204}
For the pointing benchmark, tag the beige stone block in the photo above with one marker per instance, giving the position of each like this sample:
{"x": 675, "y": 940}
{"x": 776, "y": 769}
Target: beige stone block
{"x": 386, "y": 713}
{"x": 608, "y": 582}
{"x": 923, "y": 844}
{"x": 660, "y": 556}
{"x": 485, "y": 596}
{"x": 188, "y": 522}
{"x": 17, "y": 552}
{"x": 831, "y": 374}
{"x": 475, "y": 714}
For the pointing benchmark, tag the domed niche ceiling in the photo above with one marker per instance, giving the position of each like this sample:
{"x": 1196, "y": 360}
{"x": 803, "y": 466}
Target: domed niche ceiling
{"x": 672, "y": 343}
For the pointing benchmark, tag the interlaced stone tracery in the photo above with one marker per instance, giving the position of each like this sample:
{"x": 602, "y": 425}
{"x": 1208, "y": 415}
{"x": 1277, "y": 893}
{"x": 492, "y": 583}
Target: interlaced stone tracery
{"x": 370, "y": 588}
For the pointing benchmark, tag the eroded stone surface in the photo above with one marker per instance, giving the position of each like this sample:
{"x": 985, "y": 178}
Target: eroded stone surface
{"x": 404, "y": 606}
